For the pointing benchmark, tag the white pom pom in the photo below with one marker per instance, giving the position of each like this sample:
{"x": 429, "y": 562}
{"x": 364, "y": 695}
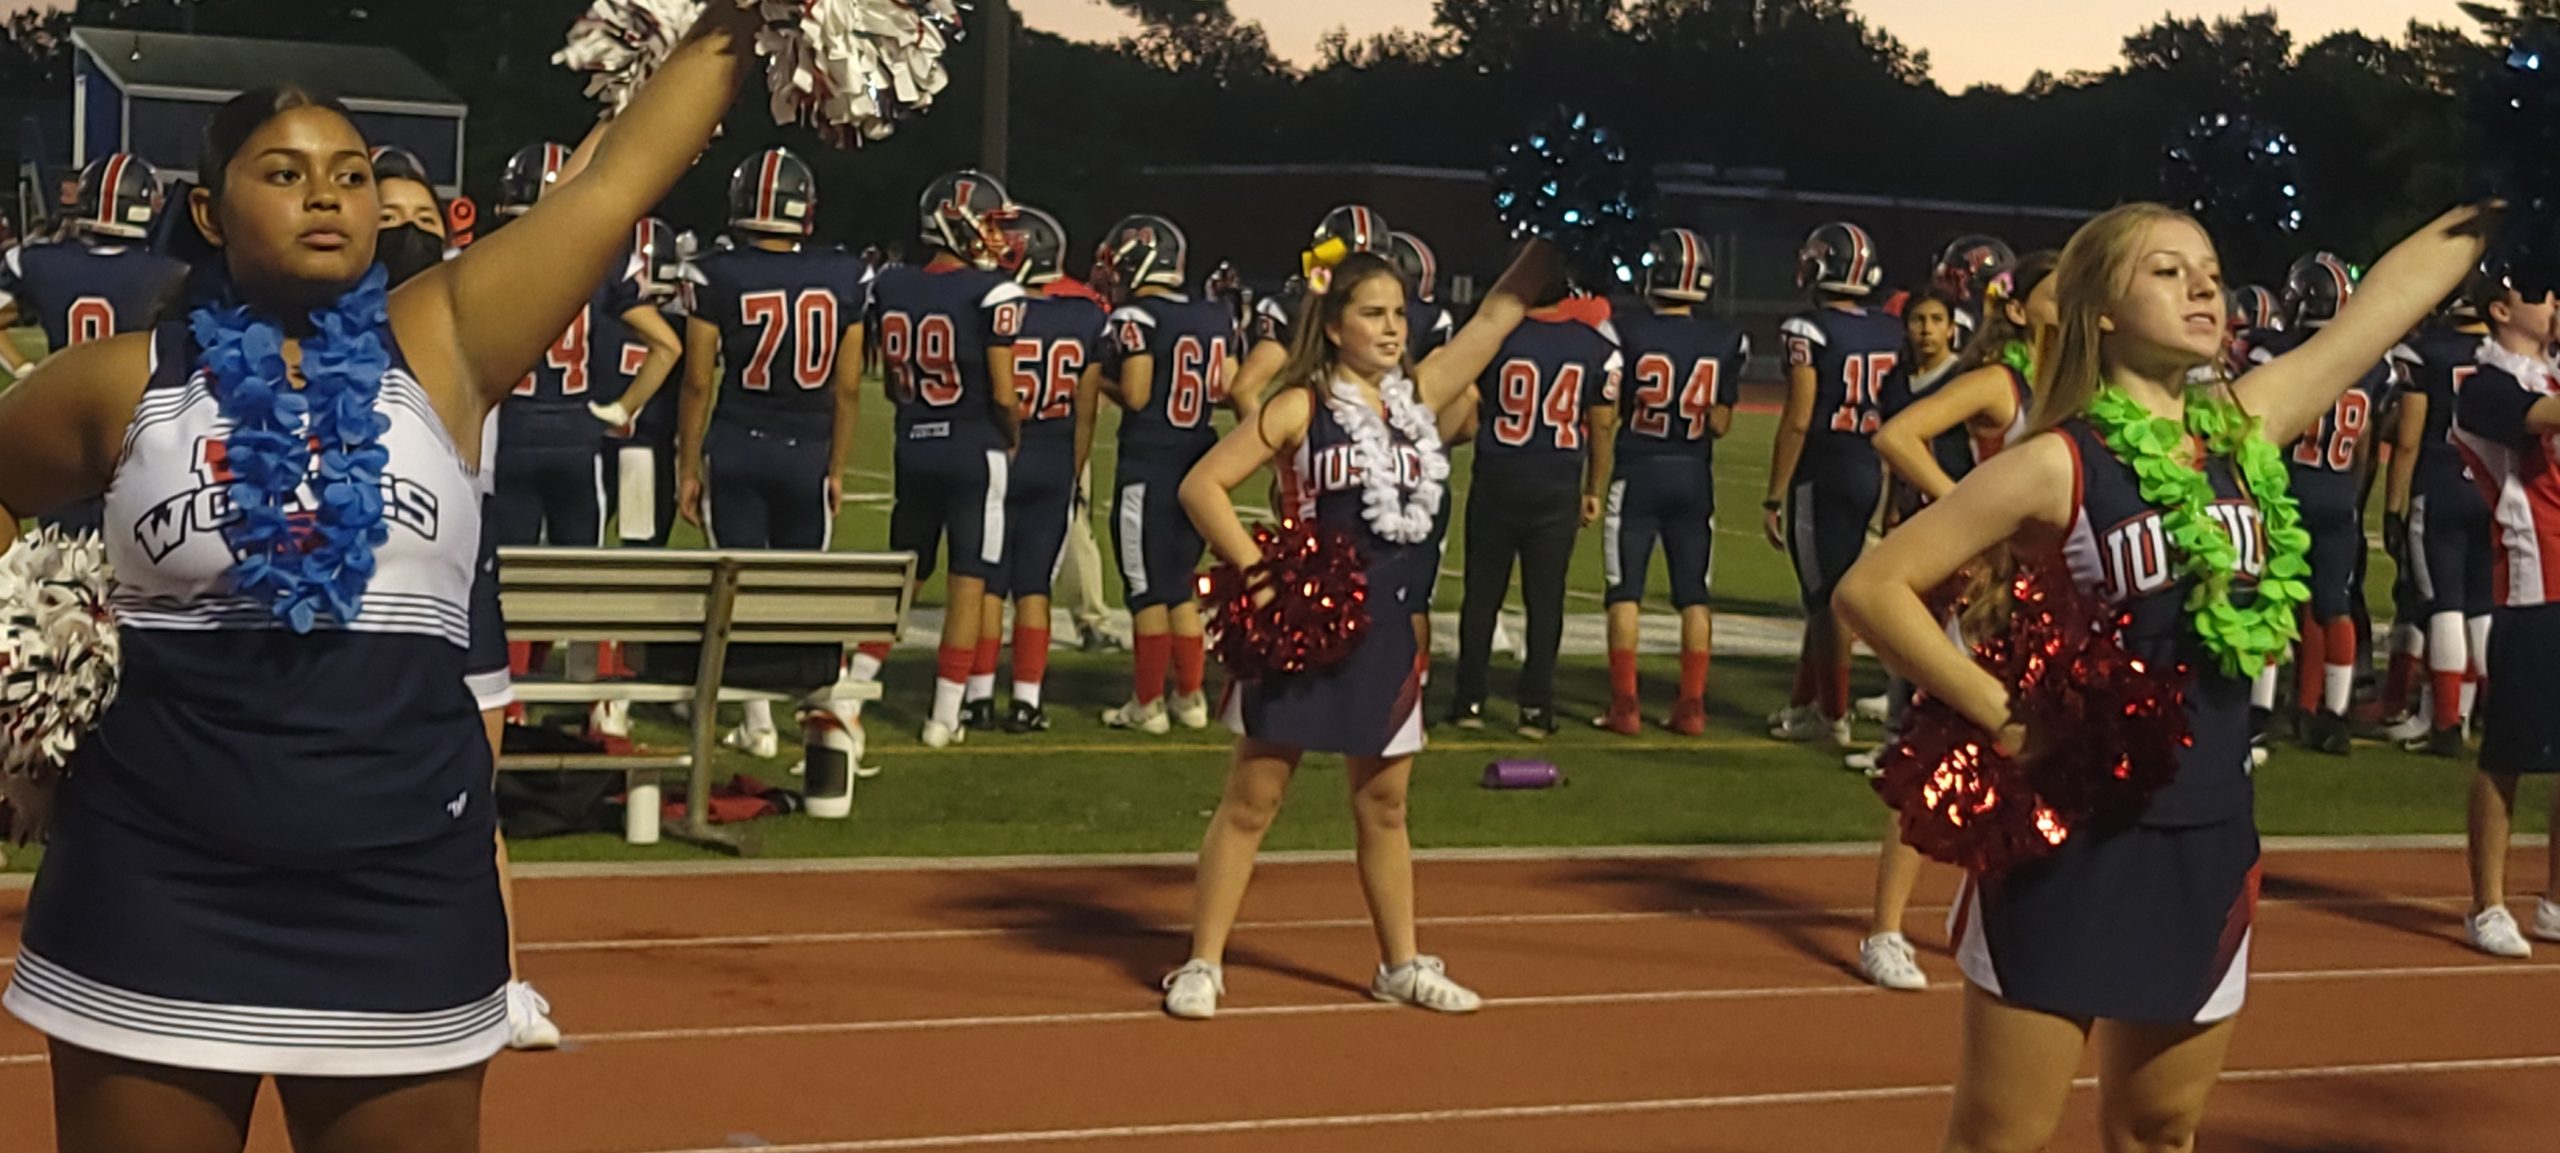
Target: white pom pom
{"x": 59, "y": 650}
{"x": 623, "y": 42}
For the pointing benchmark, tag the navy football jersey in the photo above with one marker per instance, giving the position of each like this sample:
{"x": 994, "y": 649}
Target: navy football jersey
{"x": 782, "y": 318}
{"x": 1679, "y": 370}
{"x": 1531, "y": 398}
{"x": 79, "y": 293}
{"x": 1275, "y": 318}
{"x": 934, "y": 330}
{"x": 1427, "y": 327}
{"x": 1049, "y": 357}
{"x": 1191, "y": 343}
{"x": 2445, "y": 358}
{"x": 1854, "y": 353}
{"x": 584, "y": 366}
{"x": 2326, "y": 458}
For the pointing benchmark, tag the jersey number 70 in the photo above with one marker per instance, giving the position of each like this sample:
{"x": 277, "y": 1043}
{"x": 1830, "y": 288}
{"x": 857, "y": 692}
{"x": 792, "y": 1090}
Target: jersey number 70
{"x": 810, "y": 321}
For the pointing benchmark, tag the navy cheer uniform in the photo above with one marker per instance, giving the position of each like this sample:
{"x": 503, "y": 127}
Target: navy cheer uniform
{"x": 1681, "y": 369}
{"x": 1831, "y": 499}
{"x": 78, "y": 292}
{"x": 2327, "y": 467}
{"x": 2449, "y": 541}
{"x": 1190, "y": 343}
{"x": 274, "y": 855}
{"x": 1371, "y": 704}
{"x": 551, "y": 483}
{"x": 954, "y": 463}
{"x": 1525, "y": 498}
{"x": 2150, "y": 922}
{"x": 782, "y": 318}
{"x": 1049, "y": 357}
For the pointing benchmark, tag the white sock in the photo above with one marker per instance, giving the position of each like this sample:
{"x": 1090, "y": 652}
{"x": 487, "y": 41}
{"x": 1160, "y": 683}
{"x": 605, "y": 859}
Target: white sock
{"x": 2408, "y": 638}
{"x": 861, "y": 667}
{"x": 2470, "y": 695}
{"x": 1026, "y": 693}
{"x": 982, "y": 687}
{"x": 2479, "y": 629}
{"x": 759, "y": 718}
{"x": 946, "y": 702}
{"x": 2262, "y": 691}
{"x": 2337, "y": 688}
{"x": 2448, "y": 644}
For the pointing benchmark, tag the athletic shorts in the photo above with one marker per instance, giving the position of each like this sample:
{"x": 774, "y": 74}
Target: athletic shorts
{"x": 1669, "y": 499}
{"x": 1829, "y": 508}
{"x": 1158, "y": 548}
{"x": 949, "y": 491}
{"x": 766, "y": 490}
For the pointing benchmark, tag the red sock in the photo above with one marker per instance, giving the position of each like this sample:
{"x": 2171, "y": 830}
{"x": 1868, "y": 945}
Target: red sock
{"x": 2400, "y": 682}
{"x": 1803, "y": 694}
{"x": 1693, "y": 676}
{"x": 1153, "y": 653}
{"x": 1622, "y": 674}
{"x": 990, "y": 652}
{"x": 2310, "y": 664}
{"x": 875, "y": 650}
{"x": 1030, "y": 655}
{"x": 519, "y": 658}
{"x": 1190, "y": 665}
{"x": 541, "y": 653}
{"x": 1836, "y": 702}
{"x": 952, "y": 664}
{"x": 2447, "y": 712}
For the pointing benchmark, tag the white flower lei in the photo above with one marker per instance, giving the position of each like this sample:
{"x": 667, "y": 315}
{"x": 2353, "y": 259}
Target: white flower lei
{"x": 2533, "y": 372}
{"x": 1390, "y": 512}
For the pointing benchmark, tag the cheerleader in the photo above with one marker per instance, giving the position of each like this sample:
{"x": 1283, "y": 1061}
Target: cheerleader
{"x": 1343, "y": 415}
{"x": 2137, "y": 935}
{"x": 273, "y": 858}
{"x": 1930, "y": 443}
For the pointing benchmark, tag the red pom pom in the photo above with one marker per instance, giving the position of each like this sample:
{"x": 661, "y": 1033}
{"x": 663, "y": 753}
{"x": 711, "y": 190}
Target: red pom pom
{"x": 2107, "y": 724}
{"x": 1318, "y": 611}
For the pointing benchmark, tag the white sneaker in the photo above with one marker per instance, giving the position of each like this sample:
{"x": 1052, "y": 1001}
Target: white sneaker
{"x": 1191, "y": 710}
{"x": 941, "y": 736}
{"x": 761, "y": 746}
{"x": 1801, "y": 725}
{"x": 1875, "y": 708}
{"x": 1424, "y": 982}
{"x": 528, "y": 1019}
{"x": 1863, "y": 762}
{"x": 1146, "y": 718}
{"x": 1192, "y": 991}
{"x": 610, "y": 719}
{"x": 2413, "y": 727}
{"x": 2546, "y": 920}
{"x": 1844, "y": 733}
{"x": 2494, "y": 932}
{"x": 1888, "y": 960}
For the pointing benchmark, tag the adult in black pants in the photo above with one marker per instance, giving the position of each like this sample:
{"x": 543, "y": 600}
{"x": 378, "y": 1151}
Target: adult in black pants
{"x": 1547, "y": 418}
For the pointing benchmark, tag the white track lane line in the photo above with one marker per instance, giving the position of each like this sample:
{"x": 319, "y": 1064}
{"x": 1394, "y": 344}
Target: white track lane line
{"x": 1588, "y": 1109}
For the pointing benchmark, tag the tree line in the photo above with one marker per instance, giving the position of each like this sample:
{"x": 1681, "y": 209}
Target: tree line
{"x": 1807, "y": 86}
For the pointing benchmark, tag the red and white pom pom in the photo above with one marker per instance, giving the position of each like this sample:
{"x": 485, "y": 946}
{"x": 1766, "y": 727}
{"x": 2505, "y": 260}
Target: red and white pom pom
{"x": 59, "y": 651}
{"x": 622, "y": 42}
{"x": 1317, "y": 615}
{"x": 851, "y": 69}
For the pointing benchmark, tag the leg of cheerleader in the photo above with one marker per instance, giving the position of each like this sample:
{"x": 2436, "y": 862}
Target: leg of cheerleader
{"x": 435, "y": 1113}
{"x": 1385, "y": 851}
{"x": 2016, "y": 1077}
{"x": 1257, "y": 781}
{"x": 104, "y": 1104}
{"x": 2153, "y": 1081}
{"x": 1897, "y": 874}
{"x": 2492, "y": 825}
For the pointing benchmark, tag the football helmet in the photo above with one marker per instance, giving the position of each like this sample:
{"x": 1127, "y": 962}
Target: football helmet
{"x": 1839, "y": 258}
{"x": 775, "y": 193}
{"x": 119, "y": 195}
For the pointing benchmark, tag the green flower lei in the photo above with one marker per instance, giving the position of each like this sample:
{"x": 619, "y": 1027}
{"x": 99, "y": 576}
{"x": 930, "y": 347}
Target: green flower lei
{"x": 2018, "y": 356}
{"x": 2242, "y": 641}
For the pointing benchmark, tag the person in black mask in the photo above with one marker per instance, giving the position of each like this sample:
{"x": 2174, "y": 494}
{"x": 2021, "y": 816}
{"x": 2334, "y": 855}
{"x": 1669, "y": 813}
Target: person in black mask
{"x": 413, "y": 226}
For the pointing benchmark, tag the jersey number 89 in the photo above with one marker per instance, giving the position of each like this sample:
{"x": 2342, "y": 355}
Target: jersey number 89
{"x": 920, "y": 357}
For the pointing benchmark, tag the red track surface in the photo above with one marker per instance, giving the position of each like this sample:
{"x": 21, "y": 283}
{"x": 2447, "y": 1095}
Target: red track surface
{"x": 1637, "y": 1007}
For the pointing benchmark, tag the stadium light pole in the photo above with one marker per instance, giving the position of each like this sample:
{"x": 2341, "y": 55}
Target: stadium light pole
{"x": 995, "y": 139}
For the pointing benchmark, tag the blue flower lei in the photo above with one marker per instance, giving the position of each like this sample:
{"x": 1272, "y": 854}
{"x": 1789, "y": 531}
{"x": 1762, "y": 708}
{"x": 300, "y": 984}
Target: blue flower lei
{"x": 277, "y": 430}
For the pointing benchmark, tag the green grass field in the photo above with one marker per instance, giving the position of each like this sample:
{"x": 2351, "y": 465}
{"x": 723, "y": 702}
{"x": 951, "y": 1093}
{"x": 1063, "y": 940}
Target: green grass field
{"x": 1083, "y": 788}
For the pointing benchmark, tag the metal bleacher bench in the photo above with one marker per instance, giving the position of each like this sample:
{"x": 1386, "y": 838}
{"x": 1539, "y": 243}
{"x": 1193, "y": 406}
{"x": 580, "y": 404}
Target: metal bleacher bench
{"x": 711, "y": 598}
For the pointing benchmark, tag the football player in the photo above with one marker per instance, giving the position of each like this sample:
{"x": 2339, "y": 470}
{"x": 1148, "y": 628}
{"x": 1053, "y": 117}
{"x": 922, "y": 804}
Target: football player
{"x": 2327, "y": 466}
{"x": 1824, "y": 479}
{"x": 1685, "y": 375}
{"x": 1166, "y": 364}
{"x": 1964, "y": 269}
{"x": 946, "y": 330}
{"x": 773, "y": 372}
{"x": 1545, "y": 438}
{"x": 2433, "y": 509}
{"x": 1343, "y": 231}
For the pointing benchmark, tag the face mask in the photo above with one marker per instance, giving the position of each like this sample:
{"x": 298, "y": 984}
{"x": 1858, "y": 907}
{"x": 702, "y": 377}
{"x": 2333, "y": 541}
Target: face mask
{"x": 407, "y": 251}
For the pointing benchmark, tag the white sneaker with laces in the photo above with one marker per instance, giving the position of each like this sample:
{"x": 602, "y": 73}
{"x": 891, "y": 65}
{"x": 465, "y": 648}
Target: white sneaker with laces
{"x": 941, "y": 736}
{"x": 1888, "y": 960}
{"x": 2546, "y": 919}
{"x": 2413, "y": 727}
{"x": 529, "y": 1019}
{"x": 761, "y": 746}
{"x": 1875, "y": 708}
{"x": 1799, "y": 723}
{"x": 1147, "y": 718}
{"x": 1191, "y": 710}
{"x": 2493, "y": 931}
{"x": 1424, "y": 983}
{"x": 1192, "y": 991}
{"x": 1844, "y": 732}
